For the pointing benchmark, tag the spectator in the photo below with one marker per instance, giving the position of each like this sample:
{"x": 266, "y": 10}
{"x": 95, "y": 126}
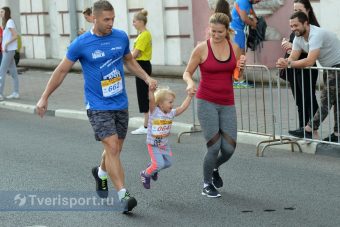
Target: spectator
{"x": 142, "y": 52}
{"x": 241, "y": 13}
{"x": 215, "y": 99}
{"x": 105, "y": 95}
{"x": 324, "y": 46}
{"x": 303, "y": 89}
{"x": 87, "y": 13}
{"x": 1, "y": 31}
{"x": 17, "y": 52}
{"x": 9, "y": 46}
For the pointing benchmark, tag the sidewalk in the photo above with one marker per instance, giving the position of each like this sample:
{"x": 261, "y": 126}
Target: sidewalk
{"x": 67, "y": 100}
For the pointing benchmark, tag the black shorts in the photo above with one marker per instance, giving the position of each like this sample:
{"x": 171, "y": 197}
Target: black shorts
{"x": 106, "y": 123}
{"x": 143, "y": 88}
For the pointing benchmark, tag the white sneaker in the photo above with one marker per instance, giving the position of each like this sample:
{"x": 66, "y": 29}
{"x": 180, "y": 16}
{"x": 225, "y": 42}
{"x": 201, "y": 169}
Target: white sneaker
{"x": 139, "y": 131}
{"x": 1, "y": 98}
{"x": 14, "y": 95}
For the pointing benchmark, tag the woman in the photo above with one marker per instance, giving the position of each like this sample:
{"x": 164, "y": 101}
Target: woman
{"x": 9, "y": 46}
{"x": 215, "y": 98}
{"x": 303, "y": 89}
{"x": 142, "y": 52}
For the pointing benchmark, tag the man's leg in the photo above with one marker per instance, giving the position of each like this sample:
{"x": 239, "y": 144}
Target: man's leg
{"x": 111, "y": 160}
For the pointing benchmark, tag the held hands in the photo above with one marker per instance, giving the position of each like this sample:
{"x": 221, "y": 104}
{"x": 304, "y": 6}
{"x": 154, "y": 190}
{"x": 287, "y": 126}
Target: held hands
{"x": 191, "y": 89}
{"x": 282, "y": 63}
{"x": 152, "y": 83}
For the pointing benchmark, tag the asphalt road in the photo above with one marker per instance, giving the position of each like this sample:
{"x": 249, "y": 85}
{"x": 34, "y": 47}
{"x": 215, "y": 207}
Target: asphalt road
{"x": 56, "y": 154}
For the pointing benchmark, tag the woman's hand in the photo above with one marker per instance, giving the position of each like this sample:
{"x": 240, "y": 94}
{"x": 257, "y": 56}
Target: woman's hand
{"x": 242, "y": 62}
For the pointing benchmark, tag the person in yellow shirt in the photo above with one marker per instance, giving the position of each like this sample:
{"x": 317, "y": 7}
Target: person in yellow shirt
{"x": 142, "y": 52}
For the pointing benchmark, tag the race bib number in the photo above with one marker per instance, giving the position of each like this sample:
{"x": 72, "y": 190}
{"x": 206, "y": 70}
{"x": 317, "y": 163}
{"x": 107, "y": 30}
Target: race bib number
{"x": 161, "y": 128}
{"x": 113, "y": 85}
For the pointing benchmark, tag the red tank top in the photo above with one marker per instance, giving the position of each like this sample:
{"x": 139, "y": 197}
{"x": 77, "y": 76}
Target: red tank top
{"x": 216, "y": 83}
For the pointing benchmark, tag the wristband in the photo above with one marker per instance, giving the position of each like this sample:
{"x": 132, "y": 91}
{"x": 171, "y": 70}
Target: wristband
{"x": 289, "y": 64}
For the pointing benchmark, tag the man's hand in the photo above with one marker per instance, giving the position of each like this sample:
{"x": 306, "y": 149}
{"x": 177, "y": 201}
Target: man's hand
{"x": 151, "y": 82}
{"x": 282, "y": 63}
{"x": 41, "y": 107}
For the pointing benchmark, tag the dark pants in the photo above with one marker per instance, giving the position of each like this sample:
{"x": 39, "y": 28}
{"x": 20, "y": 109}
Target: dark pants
{"x": 143, "y": 88}
{"x": 328, "y": 98}
{"x": 303, "y": 86}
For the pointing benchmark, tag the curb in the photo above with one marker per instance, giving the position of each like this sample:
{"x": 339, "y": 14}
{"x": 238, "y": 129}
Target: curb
{"x": 177, "y": 127}
{"x": 134, "y": 122}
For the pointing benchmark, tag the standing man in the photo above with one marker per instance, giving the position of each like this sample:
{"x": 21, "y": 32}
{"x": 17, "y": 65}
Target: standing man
{"x": 102, "y": 52}
{"x": 324, "y": 46}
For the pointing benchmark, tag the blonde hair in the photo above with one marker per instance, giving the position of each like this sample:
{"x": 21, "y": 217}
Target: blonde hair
{"x": 142, "y": 16}
{"x": 161, "y": 95}
{"x": 221, "y": 18}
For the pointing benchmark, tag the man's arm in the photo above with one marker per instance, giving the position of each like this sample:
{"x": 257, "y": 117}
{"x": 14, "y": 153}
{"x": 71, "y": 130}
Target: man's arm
{"x": 152, "y": 103}
{"x": 244, "y": 17}
{"x": 306, "y": 62}
{"x": 54, "y": 82}
{"x": 135, "y": 53}
{"x": 133, "y": 66}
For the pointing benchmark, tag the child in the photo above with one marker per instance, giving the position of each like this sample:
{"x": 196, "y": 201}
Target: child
{"x": 161, "y": 113}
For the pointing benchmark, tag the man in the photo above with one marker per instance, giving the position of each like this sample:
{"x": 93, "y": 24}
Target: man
{"x": 321, "y": 45}
{"x": 240, "y": 18}
{"x": 101, "y": 52}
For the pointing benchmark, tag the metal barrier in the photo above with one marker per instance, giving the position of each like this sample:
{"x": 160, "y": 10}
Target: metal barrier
{"x": 195, "y": 126}
{"x": 259, "y": 117}
{"x": 327, "y": 91}
{"x": 258, "y": 106}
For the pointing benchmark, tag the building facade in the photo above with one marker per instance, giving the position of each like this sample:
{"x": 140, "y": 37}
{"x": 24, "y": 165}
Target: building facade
{"x": 48, "y": 26}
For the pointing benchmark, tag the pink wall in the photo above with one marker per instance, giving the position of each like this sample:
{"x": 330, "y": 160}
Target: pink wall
{"x": 200, "y": 14}
{"x": 271, "y": 49}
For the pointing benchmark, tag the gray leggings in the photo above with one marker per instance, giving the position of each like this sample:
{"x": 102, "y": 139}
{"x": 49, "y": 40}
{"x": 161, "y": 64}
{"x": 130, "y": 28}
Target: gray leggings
{"x": 8, "y": 64}
{"x": 219, "y": 128}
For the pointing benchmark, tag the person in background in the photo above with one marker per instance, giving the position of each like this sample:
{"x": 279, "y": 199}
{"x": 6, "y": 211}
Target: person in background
{"x": 243, "y": 14}
{"x": 105, "y": 93}
{"x": 215, "y": 99}
{"x": 142, "y": 52}
{"x": 87, "y": 13}
{"x": 303, "y": 88}
{"x": 17, "y": 52}
{"x": 9, "y": 46}
{"x": 159, "y": 126}
{"x": 324, "y": 46}
{"x": 1, "y": 31}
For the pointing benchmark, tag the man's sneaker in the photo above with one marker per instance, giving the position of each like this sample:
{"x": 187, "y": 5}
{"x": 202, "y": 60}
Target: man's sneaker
{"x": 145, "y": 180}
{"x": 217, "y": 180}
{"x": 101, "y": 184}
{"x": 211, "y": 191}
{"x": 301, "y": 133}
{"x": 331, "y": 138}
{"x": 1, "y": 98}
{"x": 128, "y": 202}
{"x": 139, "y": 131}
{"x": 14, "y": 95}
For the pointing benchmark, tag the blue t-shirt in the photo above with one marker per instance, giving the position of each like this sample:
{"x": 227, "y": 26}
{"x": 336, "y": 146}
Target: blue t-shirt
{"x": 101, "y": 58}
{"x": 237, "y": 23}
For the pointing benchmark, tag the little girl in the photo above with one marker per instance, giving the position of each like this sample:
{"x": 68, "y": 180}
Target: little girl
{"x": 161, "y": 113}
